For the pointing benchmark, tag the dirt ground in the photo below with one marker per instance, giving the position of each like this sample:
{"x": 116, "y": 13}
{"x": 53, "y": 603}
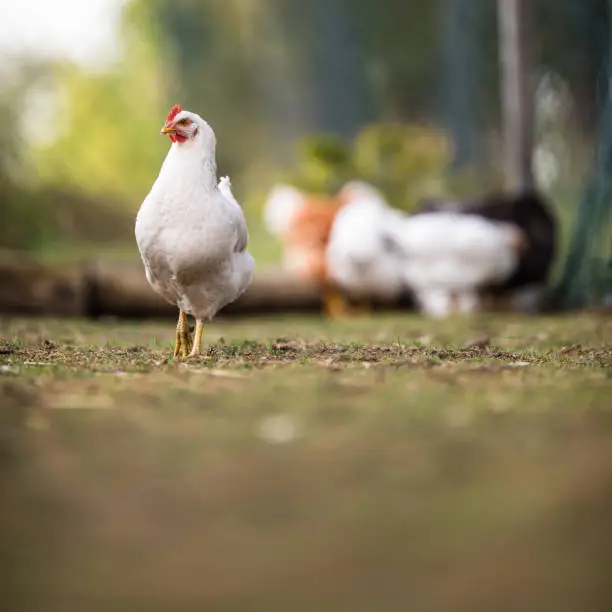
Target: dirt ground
{"x": 383, "y": 463}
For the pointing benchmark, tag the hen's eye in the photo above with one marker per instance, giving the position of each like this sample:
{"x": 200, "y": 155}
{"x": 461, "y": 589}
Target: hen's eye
{"x": 183, "y": 121}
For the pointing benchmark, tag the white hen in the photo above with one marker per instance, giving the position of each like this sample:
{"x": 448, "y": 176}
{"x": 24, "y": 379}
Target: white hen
{"x": 448, "y": 257}
{"x": 358, "y": 256}
{"x": 191, "y": 232}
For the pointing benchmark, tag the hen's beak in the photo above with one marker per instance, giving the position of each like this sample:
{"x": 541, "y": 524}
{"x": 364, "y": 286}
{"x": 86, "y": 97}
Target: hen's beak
{"x": 167, "y": 130}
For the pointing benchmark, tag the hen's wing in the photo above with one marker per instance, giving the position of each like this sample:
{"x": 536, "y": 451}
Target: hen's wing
{"x": 242, "y": 237}
{"x": 241, "y": 234}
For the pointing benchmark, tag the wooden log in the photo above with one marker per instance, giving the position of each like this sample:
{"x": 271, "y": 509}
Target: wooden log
{"x": 30, "y": 287}
{"x": 122, "y": 290}
{"x": 112, "y": 289}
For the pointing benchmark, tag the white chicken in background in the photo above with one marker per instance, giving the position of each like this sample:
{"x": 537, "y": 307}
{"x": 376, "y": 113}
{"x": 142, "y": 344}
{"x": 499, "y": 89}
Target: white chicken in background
{"x": 280, "y": 211}
{"x": 359, "y": 260}
{"x": 447, "y": 258}
{"x": 191, "y": 232}
{"x": 282, "y": 204}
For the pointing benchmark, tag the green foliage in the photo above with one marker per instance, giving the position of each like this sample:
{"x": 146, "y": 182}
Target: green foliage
{"x": 474, "y": 181}
{"x": 24, "y": 219}
{"x": 109, "y": 139}
{"x": 74, "y": 189}
{"x": 265, "y": 73}
{"x": 586, "y": 278}
{"x": 400, "y": 47}
{"x": 407, "y": 162}
{"x": 214, "y": 69}
{"x": 24, "y": 223}
{"x": 324, "y": 163}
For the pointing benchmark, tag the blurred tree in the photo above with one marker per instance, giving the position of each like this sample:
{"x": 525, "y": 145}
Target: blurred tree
{"x": 273, "y": 70}
{"x": 108, "y": 124}
{"x": 280, "y": 86}
{"x": 406, "y": 161}
{"x": 462, "y": 78}
{"x": 586, "y": 279}
{"x": 399, "y": 43}
{"x": 22, "y": 222}
{"x": 266, "y": 73}
{"x": 324, "y": 164}
{"x": 572, "y": 39}
{"x": 217, "y": 49}
{"x": 327, "y": 39}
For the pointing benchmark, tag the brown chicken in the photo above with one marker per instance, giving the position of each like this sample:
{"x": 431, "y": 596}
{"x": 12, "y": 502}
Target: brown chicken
{"x": 304, "y": 222}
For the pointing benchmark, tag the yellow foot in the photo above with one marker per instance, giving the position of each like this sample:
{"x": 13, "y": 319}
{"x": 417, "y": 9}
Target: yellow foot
{"x": 182, "y": 345}
{"x": 335, "y": 304}
{"x": 186, "y": 343}
{"x": 198, "y": 357}
{"x": 196, "y": 350}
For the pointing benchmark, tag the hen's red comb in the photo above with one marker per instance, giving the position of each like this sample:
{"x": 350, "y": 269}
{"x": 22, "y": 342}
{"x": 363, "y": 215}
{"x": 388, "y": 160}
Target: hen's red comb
{"x": 174, "y": 111}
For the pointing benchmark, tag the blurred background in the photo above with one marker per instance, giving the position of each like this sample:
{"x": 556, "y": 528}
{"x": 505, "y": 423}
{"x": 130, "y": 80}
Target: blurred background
{"x": 403, "y": 94}
{"x": 391, "y": 464}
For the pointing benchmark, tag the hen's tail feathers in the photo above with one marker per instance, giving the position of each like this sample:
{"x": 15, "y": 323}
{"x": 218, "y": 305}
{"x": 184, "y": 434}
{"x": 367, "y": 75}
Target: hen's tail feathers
{"x": 225, "y": 187}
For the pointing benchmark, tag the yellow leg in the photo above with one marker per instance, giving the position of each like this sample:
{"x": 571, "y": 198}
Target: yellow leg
{"x": 177, "y": 342}
{"x": 183, "y": 336}
{"x": 197, "y": 341}
{"x": 186, "y": 341}
{"x": 334, "y": 302}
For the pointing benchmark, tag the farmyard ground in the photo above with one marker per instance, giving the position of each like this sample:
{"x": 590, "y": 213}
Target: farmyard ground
{"x": 389, "y": 463}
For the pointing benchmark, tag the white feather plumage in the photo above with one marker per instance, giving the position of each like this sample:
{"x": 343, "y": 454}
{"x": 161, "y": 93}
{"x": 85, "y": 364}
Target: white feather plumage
{"x": 191, "y": 232}
{"x": 358, "y": 259}
{"x": 448, "y": 257}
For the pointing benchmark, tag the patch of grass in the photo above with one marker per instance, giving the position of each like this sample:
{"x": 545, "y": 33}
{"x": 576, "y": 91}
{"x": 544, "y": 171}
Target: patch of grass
{"x": 383, "y": 463}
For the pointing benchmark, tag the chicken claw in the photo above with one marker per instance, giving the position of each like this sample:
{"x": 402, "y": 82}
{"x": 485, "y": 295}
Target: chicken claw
{"x": 182, "y": 345}
{"x": 196, "y": 351}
